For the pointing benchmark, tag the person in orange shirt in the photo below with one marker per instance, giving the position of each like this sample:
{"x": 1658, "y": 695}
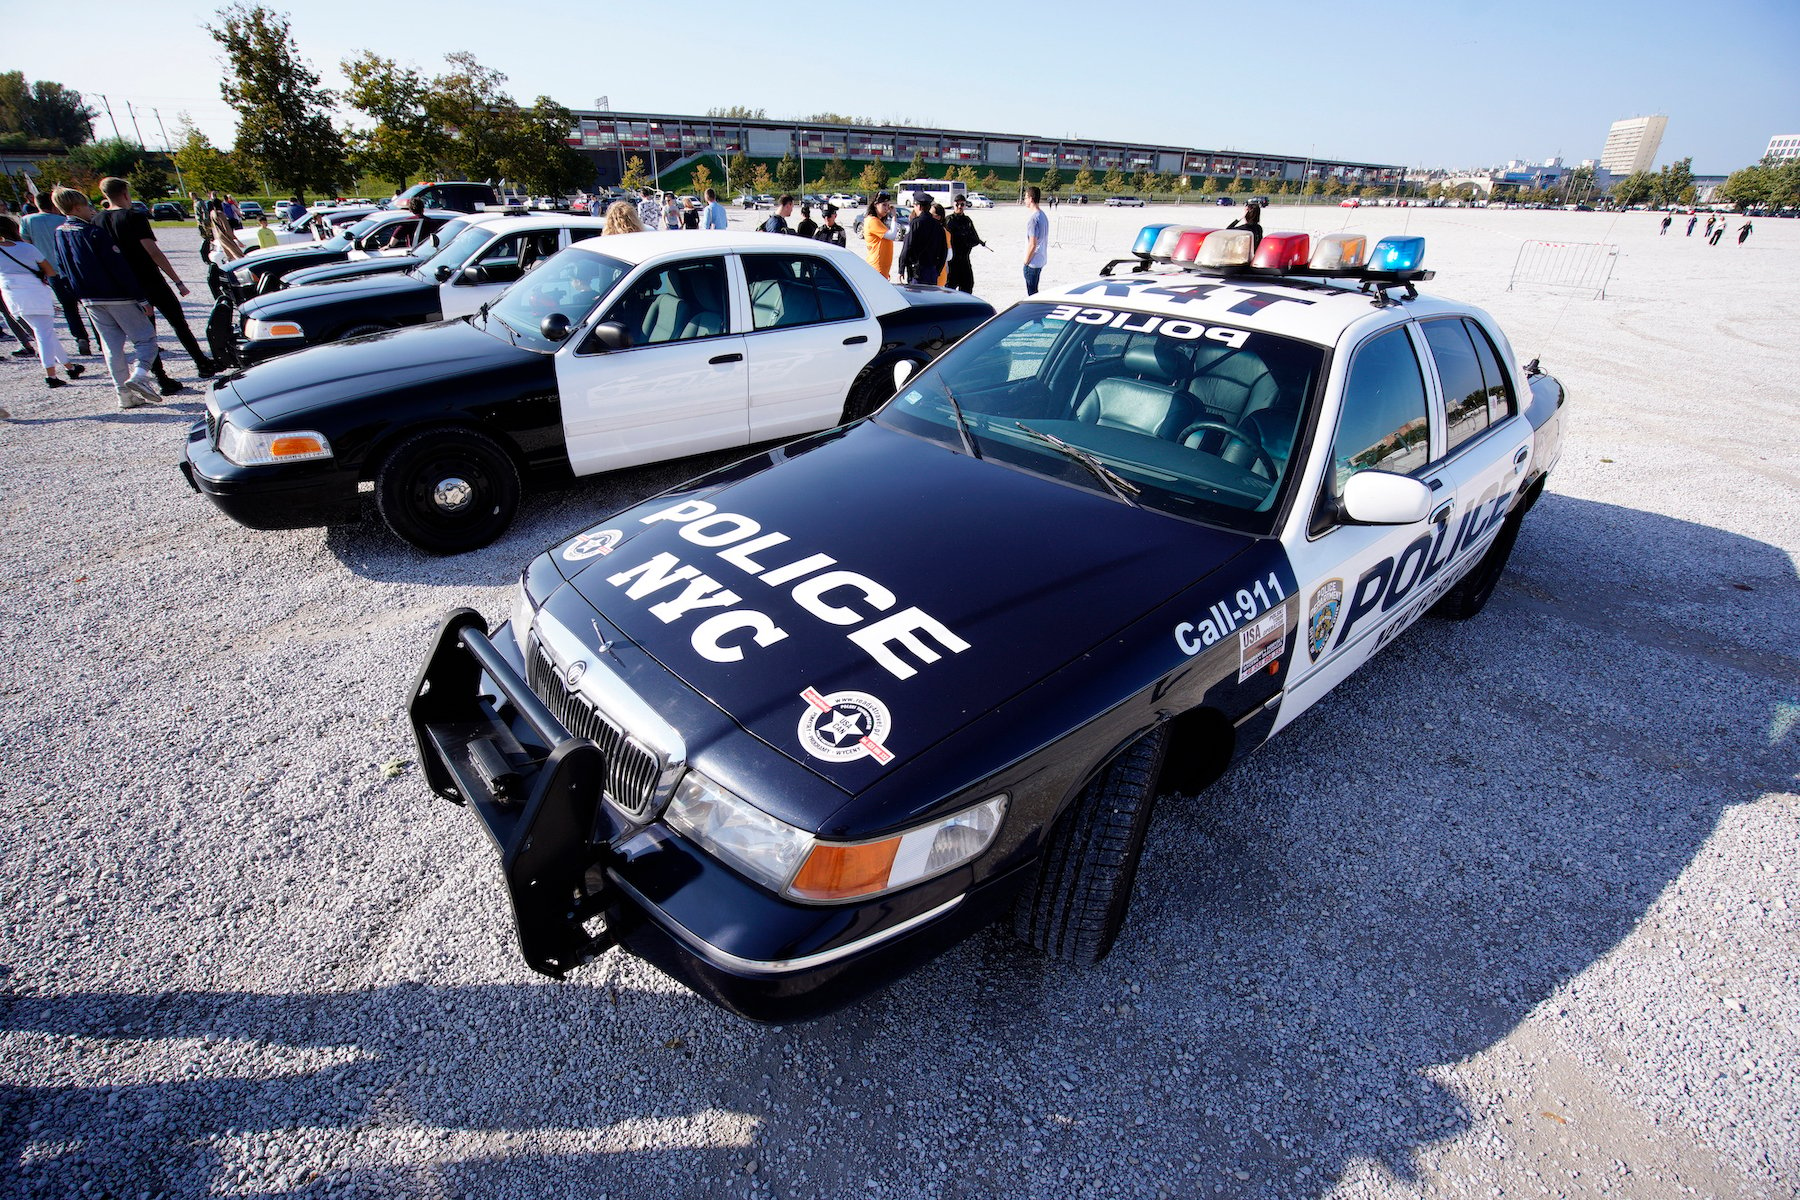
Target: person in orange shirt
{"x": 878, "y": 236}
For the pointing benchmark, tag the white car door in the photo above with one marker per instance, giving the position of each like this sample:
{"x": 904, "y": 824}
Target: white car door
{"x": 808, "y": 335}
{"x": 496, "y": 267}
{"x": 680, "y": 388}
{"x": 1358, "y": 584}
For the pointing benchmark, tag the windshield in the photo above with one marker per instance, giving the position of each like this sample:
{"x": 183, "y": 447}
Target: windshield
{"x": 571, "y": 283}
{"x": 1195, "y": 420}
{"x": 454, "y": 251}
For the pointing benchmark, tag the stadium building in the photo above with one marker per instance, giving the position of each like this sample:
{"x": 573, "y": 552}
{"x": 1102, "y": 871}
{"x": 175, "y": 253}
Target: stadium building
{"x": 1631, "y": 144}
{"x": 671, "y": 145}
{"x": 1783, "y": 145}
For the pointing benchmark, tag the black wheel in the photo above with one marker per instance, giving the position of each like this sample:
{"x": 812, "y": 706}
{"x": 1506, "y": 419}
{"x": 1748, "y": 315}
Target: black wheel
{"x": 361, "y": 330}
{"x": 448, "y": 490}
{"x": 1472, "y": 592}
{"x": 868, "y": 393}
{"x": 1075, "y": 907}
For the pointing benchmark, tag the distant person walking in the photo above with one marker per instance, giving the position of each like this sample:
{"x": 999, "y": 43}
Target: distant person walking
{"x": 922, "y": 254}
{"x": 715, "y": 212}
{"x": 1693, "y": 219}
{"x": 623, "y": 217}
{"x": 878, "y": 235}
{"x": 226, "y": 247}
{"x": 1665, "y": 225}
{"x": 25, "y": 277}
{"x": 963, "y": 240}
{"x": 671, "y": 211}
{"x": 1709, "y": 226}
{"x": 649, "y": 210}
{"x": 40, "y": 230}
{"x": 131, "y": 230}
{"x": 1718, "y": 230}
{"x": 1037, "y": 239}
{"x": 777, "y": 222}
{"x": 110, "y": 295}
{"x": 807, "y": 226}
{"x": 831, "y": 231}
{"x": 1743, "y": 233}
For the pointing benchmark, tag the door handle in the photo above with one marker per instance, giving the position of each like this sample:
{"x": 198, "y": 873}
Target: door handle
{"x": 1519, "y": 459}
{"x": 721, "y": 359}
{"x": 858, "y": 340}
{"x": 1442, "y": 512}
{"x": 1435, "y": 485}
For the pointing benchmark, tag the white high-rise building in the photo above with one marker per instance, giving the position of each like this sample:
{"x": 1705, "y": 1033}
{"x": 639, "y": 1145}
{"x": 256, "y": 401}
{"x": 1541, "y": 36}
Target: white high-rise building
{"x": 1631, "y": 144}
{"x": 1784, "y": 145}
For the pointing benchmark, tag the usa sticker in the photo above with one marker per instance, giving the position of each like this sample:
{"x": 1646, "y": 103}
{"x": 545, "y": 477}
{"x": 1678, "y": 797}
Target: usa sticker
{"x": 1260, "y": 644}
{"x": 844, "y": 726}
{"x": 592, "y": 545}
{"x": 1322, "y": 615}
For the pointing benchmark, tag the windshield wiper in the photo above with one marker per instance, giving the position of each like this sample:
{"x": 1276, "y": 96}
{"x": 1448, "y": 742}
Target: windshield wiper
{"x": 962, "y": 424}
{"x": 1119, "y": 486}
{"x": 512, "y": 335}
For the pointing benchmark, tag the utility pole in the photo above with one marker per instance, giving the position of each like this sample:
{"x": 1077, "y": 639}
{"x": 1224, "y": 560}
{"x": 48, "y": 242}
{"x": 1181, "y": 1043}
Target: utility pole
{"x": 132, "y": 113}
{"x": 180, "y": 183}
{"x": 110, "y": 117}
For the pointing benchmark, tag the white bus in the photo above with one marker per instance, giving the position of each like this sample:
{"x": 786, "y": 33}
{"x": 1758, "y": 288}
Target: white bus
{"x": 941, "y": 191}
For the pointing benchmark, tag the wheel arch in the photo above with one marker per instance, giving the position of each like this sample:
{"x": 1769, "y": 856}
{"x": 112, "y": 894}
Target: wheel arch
{"x": 378, "y": 450}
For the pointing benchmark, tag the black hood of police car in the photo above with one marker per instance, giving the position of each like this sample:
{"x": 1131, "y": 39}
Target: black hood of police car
{"x": 456, "y": 353}
{"x": 969, "y": 583}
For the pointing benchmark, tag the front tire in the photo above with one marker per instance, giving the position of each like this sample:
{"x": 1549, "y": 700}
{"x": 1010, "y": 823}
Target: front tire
{"x": 1076, "y": 906}
{"x": 448, "y": 491}
{"x": 356, "y": 331}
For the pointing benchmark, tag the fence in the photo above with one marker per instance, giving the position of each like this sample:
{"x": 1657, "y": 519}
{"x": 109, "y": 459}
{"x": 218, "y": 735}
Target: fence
{"x": 1075, "y": 233}
{"x": 1578, "y": 266}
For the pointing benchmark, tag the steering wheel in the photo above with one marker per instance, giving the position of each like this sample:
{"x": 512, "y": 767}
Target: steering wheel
{"x": 1236, "y": 435}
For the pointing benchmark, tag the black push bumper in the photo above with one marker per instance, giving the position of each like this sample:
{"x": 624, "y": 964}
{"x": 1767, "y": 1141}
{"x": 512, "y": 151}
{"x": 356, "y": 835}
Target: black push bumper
{"x": 581, "y": 878}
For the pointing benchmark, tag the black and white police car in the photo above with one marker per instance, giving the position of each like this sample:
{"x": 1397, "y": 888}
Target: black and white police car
{"x": 794, "y": 726}
{"x": 611, "y": 353}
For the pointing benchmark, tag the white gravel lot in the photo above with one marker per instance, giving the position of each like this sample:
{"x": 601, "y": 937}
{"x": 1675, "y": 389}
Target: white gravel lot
{"x": 1515, "y": 912}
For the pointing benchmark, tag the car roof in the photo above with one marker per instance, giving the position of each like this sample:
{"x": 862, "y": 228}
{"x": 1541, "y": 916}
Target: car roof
{"x": 1314, "y": 310}
{"x": 639, "y": 248}
{"x": 532, "y": 220}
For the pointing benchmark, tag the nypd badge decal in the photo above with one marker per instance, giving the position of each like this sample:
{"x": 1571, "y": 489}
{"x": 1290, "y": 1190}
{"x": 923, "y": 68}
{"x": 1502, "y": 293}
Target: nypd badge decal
{"x": 592, "y": 544}
{"x": 1322, "y": 615}
{"x": 844, "y": 726}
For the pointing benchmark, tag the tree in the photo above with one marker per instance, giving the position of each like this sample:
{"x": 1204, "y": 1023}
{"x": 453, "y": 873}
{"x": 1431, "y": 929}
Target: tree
{"x": 44, "y": 110}
{"x": 404, "y": 143}
{"x": 1208, "y": 185}
{"x": 284, "y": 125}
{"x": 835, "y": 176}
{"x": 535, "y": 150}
{"x": 874, "y": 178}
{"x": 1636, "y": 188}
{"x": 738, "y": 112}
{"x": 970, "y": 180}
{"x": 787, "y": 173}
{"x": 761, "y": 182}
{"x": 204, "y": 167}
{"x": 1144, "y": 180}
{"x": 737, "y": 172}
{"x": 1051, "y": 182}
{"x": 1675, "y": 182}
{"x": 1238, "y": 186}
{"x": 109, "y": 156}
{"x": 149, "y": 181}
{"x": 1114, "y": 183}
{"x": 635, "y": 179}
{"x": 991, "y": 182}
{"x": 916, "y": 168}
{"x": 1084, "y": 182}
{"x": 700, "y": 180}
{"x": 1160, "y": 182}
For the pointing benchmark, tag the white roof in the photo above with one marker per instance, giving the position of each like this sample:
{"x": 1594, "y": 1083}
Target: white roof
{"x": 638, "y": 248}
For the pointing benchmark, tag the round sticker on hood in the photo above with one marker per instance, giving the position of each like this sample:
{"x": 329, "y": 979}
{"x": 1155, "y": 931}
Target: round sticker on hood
{"x": 844, "y": 726}
{"x": 592, "y": 544}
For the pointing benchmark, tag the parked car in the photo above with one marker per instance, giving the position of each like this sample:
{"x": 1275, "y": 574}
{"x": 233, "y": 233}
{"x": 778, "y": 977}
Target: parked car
{"x": 618, "y": 351}
{"x": 454, "y": 195}
{"x": 389, "y": 264}
{"x": 375, "y": 234}
{"x": 1124, "y": 202}
{"x": 167, "y": 210}
{"x": 796, "y": 726}
{"x": 250, "y": 209}
{"x": 978, "y": 200}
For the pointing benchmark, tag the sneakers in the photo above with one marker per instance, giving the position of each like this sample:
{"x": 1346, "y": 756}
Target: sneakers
{"x": 136, "y": 393}
{"x": 75, "y": 370}
{"x": 206, "y": 368}
{"x": 53, "y": 381}
{"x": 24, "y": 352}
{"x": 170, "y": 387}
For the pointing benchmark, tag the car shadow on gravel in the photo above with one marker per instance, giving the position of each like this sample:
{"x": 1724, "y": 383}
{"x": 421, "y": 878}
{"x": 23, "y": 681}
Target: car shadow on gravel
{"x": 1317, "y": 945}
{"x": 546, "y": 516}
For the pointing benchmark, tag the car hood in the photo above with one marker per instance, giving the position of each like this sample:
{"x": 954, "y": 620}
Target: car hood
{"x": 356, "y": 269}
{"x": 258, "y": 259}
{"x": 364, "y": 367}
{"x": 954, "y": 585}
{"x": 298, "y": 300}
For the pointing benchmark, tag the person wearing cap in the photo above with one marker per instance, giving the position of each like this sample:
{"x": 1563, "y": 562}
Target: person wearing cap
{"x": 922, "y": 256}
{"x": 963, "y": 240}
{"x": 807, "y": 226}
{"x": 879, "y": 235}
{"x": 777, "y": 222}
{"x": 830, "y": 231}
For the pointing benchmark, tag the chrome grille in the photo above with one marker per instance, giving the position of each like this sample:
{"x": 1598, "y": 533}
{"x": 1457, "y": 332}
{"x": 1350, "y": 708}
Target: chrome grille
{"x": 633, "y": 770}
{"x": 212, "y": 428}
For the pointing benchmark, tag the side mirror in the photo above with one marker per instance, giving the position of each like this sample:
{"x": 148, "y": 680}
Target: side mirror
{"x": 473, "y": 275}
{"x": 443, "y": 274}
{"x": 610, "y": 335}
{"x": 555, "y": 327}
{"x": 1380, "y": 498}
{"x": 903, "y": 371}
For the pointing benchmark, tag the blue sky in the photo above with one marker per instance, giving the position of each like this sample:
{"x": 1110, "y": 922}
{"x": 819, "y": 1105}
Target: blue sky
{"x": 1439, "y": 83}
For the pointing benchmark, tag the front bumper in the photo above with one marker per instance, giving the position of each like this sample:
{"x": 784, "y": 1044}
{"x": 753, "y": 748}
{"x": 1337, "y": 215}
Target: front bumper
{"x": 583, "y": 878}
{"x": 277, "y": 496}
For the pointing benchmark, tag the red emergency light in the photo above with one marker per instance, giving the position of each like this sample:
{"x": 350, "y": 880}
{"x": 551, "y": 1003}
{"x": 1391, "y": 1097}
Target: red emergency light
{"x": 1282, "y": 250}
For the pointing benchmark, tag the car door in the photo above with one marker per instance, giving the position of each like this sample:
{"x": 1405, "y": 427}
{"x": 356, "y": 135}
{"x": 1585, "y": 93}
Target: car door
{"x": 808, "y": 336}
{"x": 680, "y": 388}
{"x": 1359, "y": 584}
{"x": 496, "y": 267}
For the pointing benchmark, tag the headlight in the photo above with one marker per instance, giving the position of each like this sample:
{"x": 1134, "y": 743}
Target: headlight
{"x": 255, "y": 328}
{"x": 252, "y": 447}
{"x": 794, "y": 862}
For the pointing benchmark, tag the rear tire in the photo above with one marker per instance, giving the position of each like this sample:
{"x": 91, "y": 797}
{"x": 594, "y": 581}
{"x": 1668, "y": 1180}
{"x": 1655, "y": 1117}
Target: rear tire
{"x": 448, "y": 490}
{"x": 1472, "y": 592}
{"x": 1077, "y": 904}
{"x": 869, "y": 392}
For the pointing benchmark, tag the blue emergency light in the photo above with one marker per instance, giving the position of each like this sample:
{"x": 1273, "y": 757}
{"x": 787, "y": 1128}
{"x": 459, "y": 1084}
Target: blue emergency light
{"x": 1146, "y": 239}
{"x": 1397, "y": 254}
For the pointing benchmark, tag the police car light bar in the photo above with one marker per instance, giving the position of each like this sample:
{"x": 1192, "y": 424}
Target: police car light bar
{"x": 1226, "y": 248}
{"x": 1397, "y": 254}
{"x": 1340, "y": 252}
{"x": 1394, "y": 262}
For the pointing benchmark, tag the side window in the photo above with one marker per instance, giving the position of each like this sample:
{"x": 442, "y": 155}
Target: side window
{"x": 581, "y": 233}
{"x": 1501, "y": 401}
{"x": 505, "y": 259}
{"x": 1383, "y": 423}
{"x": 676, "y": 303}
{"x": 796, "y": 289}
{"x": 1465, "y": 391}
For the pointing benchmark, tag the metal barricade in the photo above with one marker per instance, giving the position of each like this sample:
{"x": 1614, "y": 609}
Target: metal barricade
{"x": 1075, "y": 233}
{"x": 1577, "y": 266}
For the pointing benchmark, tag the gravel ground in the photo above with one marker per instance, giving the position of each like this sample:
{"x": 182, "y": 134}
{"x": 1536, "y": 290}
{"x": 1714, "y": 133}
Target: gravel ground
{"x": 1515, "y": 912}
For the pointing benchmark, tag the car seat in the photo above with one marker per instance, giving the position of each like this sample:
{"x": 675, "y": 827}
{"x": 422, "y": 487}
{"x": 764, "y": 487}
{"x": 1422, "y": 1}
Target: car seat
{"x": 782, "y": 301}
{"x": 1147, "y": 398}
